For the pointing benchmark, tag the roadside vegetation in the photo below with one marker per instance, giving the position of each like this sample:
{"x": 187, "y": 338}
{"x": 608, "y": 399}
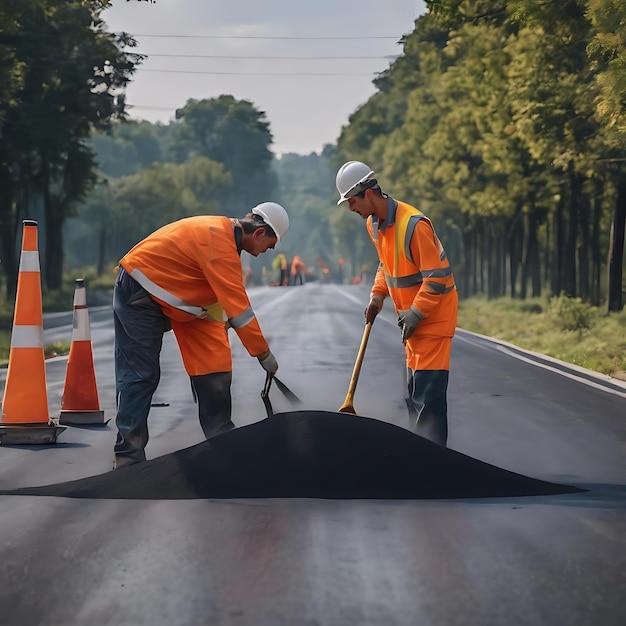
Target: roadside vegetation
{"x": 564, "y": 328}
{"x": 99, "y": 288}
{"x": 504, "y": 122}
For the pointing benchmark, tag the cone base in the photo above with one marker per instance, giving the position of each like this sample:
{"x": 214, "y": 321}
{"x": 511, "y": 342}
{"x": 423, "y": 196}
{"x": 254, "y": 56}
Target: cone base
{"x": 29, "y": 434}
{"x": 80, "y": 418}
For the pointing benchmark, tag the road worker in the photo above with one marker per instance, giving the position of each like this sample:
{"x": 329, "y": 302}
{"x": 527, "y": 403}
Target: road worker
{"x": 297, "y": 269}
{"x": 415, "y": 272}
{"x": 187, "y": 276}
{"x": 280, "y": 265}
{"x": 341, "y": 265}
{"x": 247, "y": 272}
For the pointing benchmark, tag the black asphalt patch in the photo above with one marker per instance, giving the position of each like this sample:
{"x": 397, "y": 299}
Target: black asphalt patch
{"x": 307, "y": 454}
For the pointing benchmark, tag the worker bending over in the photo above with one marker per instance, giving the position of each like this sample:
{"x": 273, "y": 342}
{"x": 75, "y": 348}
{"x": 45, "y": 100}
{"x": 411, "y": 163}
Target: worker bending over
{"x": 414, "y": 270}
{"x": 187, "y": 276}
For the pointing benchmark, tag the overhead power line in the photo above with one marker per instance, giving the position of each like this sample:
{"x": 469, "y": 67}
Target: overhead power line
{"x": 151, "y": 107}
{"x": 290, "y": 58}
{"x": 395, "y": 37}
{"x": 260, "y": 73}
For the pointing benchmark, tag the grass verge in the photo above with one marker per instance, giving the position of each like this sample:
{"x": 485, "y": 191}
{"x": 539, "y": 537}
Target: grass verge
{"x": 560, "y": 327}
{"x": 58, "y": 300}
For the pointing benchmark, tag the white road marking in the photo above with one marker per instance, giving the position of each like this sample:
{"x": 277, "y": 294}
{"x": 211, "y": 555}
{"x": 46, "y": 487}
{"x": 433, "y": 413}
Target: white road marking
{"x": 504, "y": 347}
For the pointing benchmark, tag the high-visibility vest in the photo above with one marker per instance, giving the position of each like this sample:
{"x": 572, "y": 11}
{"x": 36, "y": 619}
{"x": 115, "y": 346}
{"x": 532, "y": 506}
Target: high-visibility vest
{"x": 414, "y": 268}
{"x": 193, "y": 269}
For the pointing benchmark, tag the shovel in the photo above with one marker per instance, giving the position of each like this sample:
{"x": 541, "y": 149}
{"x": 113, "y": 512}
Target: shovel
{"x": 265, "y": 393}
{"x": 347, "y": 406}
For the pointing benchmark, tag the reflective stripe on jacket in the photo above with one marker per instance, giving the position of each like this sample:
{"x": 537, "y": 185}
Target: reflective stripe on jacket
{"x": 414, "y": 269}
{"x": 193, "y": 269}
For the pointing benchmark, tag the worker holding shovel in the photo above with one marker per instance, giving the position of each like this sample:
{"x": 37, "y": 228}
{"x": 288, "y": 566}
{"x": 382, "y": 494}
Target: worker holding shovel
{"x": 187, "y": 276}
{"x": 415, "y": 272}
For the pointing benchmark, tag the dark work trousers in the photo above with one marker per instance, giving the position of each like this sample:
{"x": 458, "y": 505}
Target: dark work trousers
{"x": 139, "y": 327}
{"x": 428, "y": 405}
{"x": 212, "y": 393}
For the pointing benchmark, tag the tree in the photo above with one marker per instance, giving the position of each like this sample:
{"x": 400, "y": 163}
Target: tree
{"x": 232, "y": 132}
{"x": 60, "y": 100}
{"x": 608, "y": 54}
{"x": 163, "y": 193}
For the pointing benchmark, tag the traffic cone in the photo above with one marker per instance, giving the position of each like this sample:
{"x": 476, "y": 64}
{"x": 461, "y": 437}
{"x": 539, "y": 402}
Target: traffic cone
{"x": 25, "y": 417}
{"x": 79, "y": 404}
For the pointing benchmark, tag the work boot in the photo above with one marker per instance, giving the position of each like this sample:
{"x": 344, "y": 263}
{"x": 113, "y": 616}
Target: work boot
{"x": 212, "y": 393}
{"x": 427, "y": 395}
{"x": 130, "y": 447}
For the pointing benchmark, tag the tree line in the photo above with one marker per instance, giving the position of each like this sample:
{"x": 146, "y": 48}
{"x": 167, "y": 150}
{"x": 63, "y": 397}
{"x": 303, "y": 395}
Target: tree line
{"x": 506, "y": 123}
{"x": 503, "y": 121}
{"x": 62, "y": 76}
{"x": 214, "y": 158}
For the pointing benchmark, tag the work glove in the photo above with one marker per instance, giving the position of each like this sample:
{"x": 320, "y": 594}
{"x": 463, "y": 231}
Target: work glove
{"x": 408, "y": 320}
{"x": 373, "y": 308}
{"x": 268, "y": 363}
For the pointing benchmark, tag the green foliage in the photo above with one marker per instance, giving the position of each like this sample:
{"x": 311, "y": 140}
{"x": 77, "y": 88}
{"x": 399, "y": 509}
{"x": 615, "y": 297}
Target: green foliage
{"x": 600, "y": 347}
{"x": 127, "y": 148}
{"x": 607, "y": 50}
{"x": 232, "y": 132}
{"x": 58, "y": 348}
{"x": 530, "y": 307}
{"x": 219, "y": 163}
{"x": 503, "y": 121}
{"x": 121, "y": 211}
{"x": 61, "y": 76}
{"x": 6, "y": 315}
{"x": 5, "y": 347}
{"x": 93, "y": 280}
{"x": 59, "y": 299}
{"x": 99, "y": 291}
{"x": 166, "y": 192}
{"x": 319, "y": 231}
{"x": 572, "y": 313}
{"x": 507, "y": 119}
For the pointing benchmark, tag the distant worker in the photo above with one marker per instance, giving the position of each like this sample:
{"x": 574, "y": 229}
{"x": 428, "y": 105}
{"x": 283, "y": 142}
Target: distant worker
{"x": 247, "y": 272}
{"x": 281, "y": 266}
{"x": 297, "y": 269}
{"x": 321, "y": 263}
{"x": 187, "y": 276}
{"x": 414, "y": 270}
{"x": 341, "y": 264}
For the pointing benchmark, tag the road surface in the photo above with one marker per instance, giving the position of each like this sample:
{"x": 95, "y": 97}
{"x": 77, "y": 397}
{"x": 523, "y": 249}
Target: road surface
{"x": 553, "y": 560}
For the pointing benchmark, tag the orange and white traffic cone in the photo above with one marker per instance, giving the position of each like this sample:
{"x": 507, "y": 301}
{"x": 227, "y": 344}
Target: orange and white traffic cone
{"x": 25, "y": 417}
{"x": 79, "y": 404}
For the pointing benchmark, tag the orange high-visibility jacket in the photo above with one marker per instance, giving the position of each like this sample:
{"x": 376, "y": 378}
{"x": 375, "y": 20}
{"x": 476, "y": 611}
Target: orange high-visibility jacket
{"x": 414, "y": 269}
{"x": 192, "y": 268}
{"x": 297, "y": 265}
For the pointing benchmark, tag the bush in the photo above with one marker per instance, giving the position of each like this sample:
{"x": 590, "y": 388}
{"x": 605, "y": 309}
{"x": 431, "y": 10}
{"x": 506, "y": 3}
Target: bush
{"x": 571, "y": 313}
{"x": 533, "y": 308}
{"x": 6, "y": 316}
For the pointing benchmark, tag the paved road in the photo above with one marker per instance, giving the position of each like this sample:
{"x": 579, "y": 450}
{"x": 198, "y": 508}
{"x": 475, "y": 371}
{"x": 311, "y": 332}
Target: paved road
{"x": 553, "y": 560}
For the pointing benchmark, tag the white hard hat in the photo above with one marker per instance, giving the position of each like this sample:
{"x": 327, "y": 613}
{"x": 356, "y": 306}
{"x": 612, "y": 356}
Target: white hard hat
{"x": 275, "y": 216}
{"x": 351, "y": 177}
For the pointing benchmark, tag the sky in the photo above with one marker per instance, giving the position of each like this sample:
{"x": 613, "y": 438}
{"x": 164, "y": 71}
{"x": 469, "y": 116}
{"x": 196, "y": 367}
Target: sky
{"x": 192, "y": 45}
